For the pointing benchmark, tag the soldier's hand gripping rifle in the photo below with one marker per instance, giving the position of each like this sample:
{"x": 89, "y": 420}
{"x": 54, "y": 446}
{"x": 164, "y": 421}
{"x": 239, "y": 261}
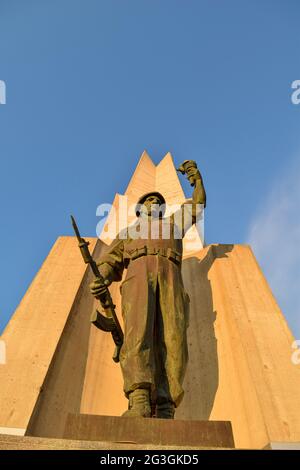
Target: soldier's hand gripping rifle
{"x": 109, "y": 323}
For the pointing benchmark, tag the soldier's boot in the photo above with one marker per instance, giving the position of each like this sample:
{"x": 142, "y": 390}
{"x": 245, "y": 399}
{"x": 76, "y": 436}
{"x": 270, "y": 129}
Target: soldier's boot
{"x": 165, "y": 410}
{"x": 139, "y": 404}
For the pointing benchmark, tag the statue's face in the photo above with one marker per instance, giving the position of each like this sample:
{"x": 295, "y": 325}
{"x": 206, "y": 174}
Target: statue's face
{"x": 152, "y": 200}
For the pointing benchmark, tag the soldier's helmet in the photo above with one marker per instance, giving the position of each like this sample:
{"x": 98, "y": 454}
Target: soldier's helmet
{"x": 162, "y": 202}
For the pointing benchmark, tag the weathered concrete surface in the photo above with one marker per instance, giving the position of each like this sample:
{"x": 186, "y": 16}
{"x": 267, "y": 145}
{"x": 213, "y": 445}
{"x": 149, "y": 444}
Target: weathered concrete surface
{"x": 240, "y": 365}
{"x": 55, "y": 302}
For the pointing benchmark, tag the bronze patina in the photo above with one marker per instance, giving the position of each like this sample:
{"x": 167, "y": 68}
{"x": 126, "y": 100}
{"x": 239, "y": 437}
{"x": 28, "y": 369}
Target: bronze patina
{"x": 155, "y": 306}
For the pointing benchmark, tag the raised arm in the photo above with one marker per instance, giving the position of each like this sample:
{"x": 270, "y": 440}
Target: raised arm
{"x": 195, "y": 178}
{"x": 191, "y": 210}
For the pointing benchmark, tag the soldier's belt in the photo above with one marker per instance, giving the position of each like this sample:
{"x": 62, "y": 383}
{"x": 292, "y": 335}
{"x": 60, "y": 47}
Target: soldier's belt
{"x": 165, "y": 252}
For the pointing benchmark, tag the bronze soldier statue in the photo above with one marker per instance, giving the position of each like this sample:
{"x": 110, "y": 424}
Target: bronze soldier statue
{"x": 155, "y": 306}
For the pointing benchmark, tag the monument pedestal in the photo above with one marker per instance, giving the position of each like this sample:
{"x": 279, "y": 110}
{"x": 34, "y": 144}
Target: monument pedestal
{"x": 157, "y": 432}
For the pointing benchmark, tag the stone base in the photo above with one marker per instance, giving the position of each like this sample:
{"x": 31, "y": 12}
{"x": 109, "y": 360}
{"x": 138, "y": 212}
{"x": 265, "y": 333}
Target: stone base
{"x": 157, "y": 432}
{"x": 8, "y": 442}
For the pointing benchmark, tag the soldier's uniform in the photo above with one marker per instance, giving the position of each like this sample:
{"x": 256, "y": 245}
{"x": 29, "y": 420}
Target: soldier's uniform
{"x": 155, "y": 308}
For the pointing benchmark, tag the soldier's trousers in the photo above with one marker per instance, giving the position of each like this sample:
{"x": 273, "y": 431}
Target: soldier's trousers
{"x": 155, "y": 311}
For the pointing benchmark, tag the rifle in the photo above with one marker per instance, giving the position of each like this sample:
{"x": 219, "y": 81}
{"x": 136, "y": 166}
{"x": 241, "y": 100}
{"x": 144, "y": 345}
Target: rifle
{"x": 109, "y": 322}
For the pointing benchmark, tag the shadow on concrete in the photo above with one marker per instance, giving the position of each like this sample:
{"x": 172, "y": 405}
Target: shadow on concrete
{"x": 62, "y": 389}
{"x": 202, "y": 376}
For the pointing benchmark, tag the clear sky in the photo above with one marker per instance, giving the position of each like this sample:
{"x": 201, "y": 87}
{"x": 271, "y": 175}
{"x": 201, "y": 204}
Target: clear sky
{"x": 90, "y": 84}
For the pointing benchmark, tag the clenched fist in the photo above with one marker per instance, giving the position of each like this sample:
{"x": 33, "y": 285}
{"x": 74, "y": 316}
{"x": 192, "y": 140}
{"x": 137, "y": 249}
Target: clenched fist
{"x": 189, "y": 167}
{"x": 193, "y": 174}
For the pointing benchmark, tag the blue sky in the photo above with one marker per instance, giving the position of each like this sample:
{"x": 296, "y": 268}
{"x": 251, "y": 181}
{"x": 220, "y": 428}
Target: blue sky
{"x": 91, "y": 84}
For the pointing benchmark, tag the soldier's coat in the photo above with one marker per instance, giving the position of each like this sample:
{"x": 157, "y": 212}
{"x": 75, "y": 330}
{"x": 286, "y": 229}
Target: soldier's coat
{"x": 154, "y": 306}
